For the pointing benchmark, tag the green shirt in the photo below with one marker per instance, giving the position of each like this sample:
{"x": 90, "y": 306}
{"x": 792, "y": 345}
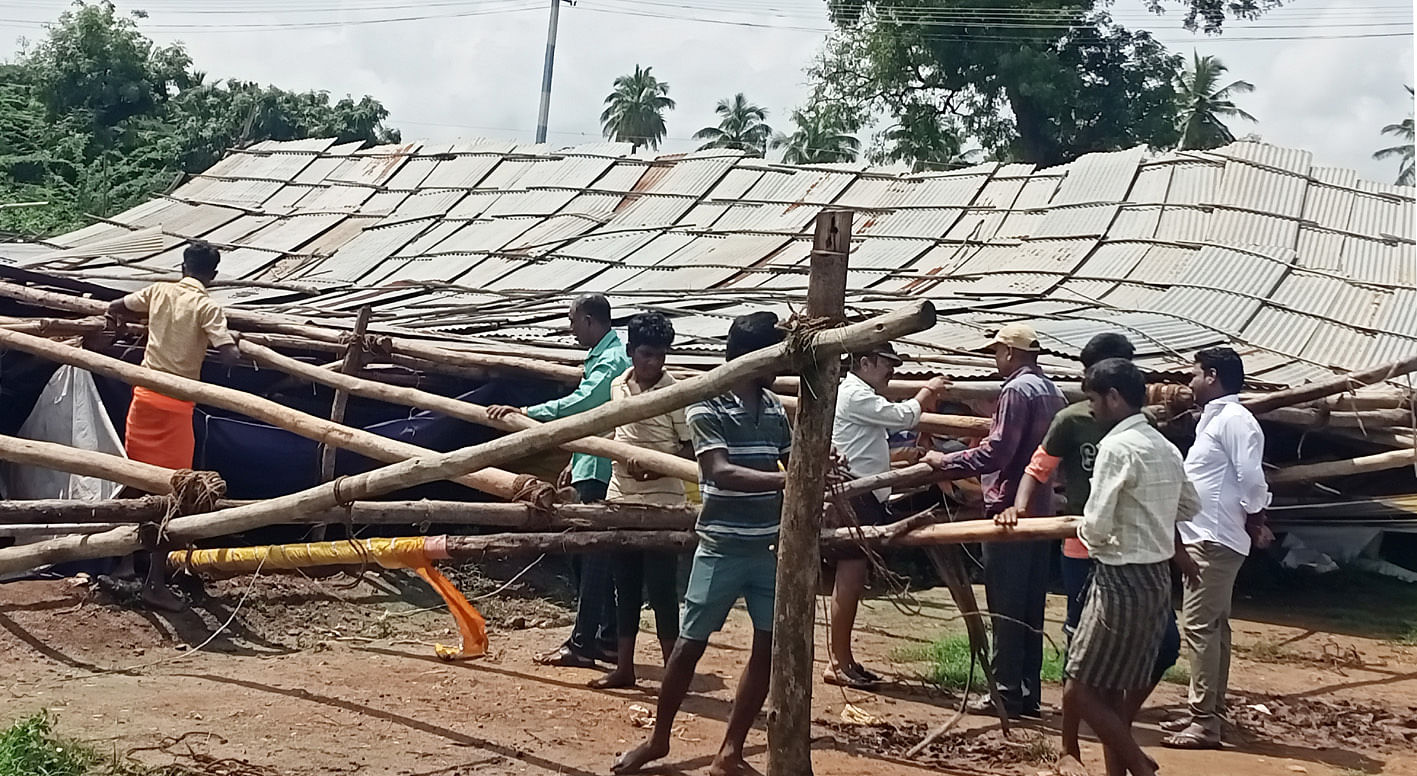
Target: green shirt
{"x": 606, "y": 361}
{"x": 1074, "y": 436}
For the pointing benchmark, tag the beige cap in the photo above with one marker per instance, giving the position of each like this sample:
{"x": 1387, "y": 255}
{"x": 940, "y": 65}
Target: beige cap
{"x": 1019, "y": 336}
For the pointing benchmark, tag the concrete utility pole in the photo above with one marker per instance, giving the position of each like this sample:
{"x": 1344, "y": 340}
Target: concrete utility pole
{"x": 545, "y": 112}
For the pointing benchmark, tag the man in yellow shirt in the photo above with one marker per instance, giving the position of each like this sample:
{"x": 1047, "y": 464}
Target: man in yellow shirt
{"x": 182, "y": 321}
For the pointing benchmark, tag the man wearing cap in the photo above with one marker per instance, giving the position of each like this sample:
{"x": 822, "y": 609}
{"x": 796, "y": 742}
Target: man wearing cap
{"x": 1015, "y": 573}
{"x": 864, "y": 421}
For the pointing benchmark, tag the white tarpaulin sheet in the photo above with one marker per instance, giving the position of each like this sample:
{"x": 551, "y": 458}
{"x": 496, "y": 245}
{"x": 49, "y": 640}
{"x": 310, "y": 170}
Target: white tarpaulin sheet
{"x": 68, "y": 412}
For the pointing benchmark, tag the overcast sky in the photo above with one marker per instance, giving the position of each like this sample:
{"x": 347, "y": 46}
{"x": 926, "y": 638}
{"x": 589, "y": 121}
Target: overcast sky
{"x": 479, "y": 73}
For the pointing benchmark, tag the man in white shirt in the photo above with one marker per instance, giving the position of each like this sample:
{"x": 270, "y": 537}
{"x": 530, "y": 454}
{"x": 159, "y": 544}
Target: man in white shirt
{"x": 1225, "y": 465}
{"x": 1140, "y": 494}
{"x": 864, "y": 421}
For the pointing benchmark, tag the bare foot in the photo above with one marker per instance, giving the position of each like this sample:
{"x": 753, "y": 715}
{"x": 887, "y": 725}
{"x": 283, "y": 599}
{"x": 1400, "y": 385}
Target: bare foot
{"x": 1068, "y": 765}
{"x": 615, "y": 680}
{"x": 731, "y": 765}
{"x": 160, "y": 597}
{"x": 637, "y": 758}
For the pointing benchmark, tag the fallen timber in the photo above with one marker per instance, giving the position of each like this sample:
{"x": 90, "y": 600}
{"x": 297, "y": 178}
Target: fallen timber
{"x": 463, "y": 549}
{"x": 489, "y": 480}
{"x": 908, "y": 319}
{"x": 295, "y": 333}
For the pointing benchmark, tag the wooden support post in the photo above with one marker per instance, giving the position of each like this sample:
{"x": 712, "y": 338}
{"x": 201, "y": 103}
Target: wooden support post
{"x": 907, "y": 319}
{"x": 1341, "y": 384}
{"x": 798, "y": 550}
{"x": 354, "y": 357}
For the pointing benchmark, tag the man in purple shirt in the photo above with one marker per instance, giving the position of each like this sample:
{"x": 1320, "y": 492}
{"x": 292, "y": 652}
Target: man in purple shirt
{"x": 1015, "y": 573}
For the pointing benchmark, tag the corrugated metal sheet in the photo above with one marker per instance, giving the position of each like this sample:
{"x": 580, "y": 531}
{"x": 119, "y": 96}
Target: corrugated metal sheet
{"x": 1229, "y": 257}
{"x": 1104, "y": 177}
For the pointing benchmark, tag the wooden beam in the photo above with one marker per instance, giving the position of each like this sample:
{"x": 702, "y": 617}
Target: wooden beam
{"x": 906, "y": 319}
{"x": 1341, "y": 384}
{"x": 1327, "y": 470}
{"x": 494, "y": 481}
{"x": 120, "y": 510}
{"x": 798, "y": 552}
{"x": 89, "y": 463}
{"x": 665, "y": 463}
{"x": 353, "y": 360}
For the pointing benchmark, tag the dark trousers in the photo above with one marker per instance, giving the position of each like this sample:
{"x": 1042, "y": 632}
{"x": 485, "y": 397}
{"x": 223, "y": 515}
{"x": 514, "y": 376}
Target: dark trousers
{"x": 1077, "y": 572}
{"x": 641, "y": 576}
{"x": 1016, "y": 591}
{"x": 594, "y": 631}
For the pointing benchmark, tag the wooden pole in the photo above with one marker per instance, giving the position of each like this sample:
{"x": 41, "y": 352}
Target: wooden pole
{"x": 500, "y": 483}
{"x": 353, "y": 360}
{"x": 1326, "y": 470}
{"x": 120, "y": 510}
{"x": 908, "y": 318}
{"x": 798, "y": 550}
{"x": 1340, "y": 384}
{"x": 89, "y": 463}
{"x": 664, "y": 463}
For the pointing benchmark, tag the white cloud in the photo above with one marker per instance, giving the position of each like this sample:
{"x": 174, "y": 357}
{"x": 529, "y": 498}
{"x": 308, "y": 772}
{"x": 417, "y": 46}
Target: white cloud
{"x": 481, "y": 75}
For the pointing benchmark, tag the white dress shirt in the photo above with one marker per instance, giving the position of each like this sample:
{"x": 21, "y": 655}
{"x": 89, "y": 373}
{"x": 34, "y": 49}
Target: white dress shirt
{"x": 864, "y": 421}
{"x": 1139, "y": 494}
{"x": 1225, "y": 465}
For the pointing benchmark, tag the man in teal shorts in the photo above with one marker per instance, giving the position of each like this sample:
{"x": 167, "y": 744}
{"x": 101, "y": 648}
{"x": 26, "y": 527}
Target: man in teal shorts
{"x": 741, "y": 438}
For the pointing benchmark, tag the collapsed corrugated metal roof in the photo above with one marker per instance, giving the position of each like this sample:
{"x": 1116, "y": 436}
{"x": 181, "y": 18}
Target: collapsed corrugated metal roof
{"x": 1248, "y": 245}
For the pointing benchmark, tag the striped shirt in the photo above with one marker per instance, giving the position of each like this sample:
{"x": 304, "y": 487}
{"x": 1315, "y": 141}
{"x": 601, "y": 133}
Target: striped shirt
{"x": 754, "y": 442}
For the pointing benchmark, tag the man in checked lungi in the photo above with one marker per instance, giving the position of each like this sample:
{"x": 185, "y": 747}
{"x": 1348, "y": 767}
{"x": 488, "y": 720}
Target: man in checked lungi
{"x": 182, "y": 321}
{"x": 1139, "y": 493}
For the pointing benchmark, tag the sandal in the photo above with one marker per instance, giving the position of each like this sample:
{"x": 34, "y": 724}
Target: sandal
{"x": 866, "y": 672}
{"x": 565, "y": 658}
{"x": 848, "y": 677}
{"x": 1191, "y": 741}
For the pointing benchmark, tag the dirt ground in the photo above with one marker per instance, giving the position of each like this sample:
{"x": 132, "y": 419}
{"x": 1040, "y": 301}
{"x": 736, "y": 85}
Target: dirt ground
{"x": 318, "y": 677}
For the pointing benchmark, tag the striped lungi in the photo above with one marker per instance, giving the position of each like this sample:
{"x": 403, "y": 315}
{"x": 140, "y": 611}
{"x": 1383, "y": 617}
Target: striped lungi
{"x": 1121, "y": 627}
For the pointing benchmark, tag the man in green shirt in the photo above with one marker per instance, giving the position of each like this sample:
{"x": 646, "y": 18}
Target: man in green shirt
{"x": 593, "y": 636}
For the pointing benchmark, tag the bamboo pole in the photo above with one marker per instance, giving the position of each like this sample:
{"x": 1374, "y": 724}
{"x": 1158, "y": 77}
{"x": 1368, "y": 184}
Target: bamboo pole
{"x": 494, "y": 481}
{"x": 907, "y": 319}
{"x": 798, "y": 552}
{"x": 663, "y": 463}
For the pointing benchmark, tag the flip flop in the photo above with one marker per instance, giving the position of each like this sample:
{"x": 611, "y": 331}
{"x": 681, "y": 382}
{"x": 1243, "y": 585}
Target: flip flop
{"x": 1176, "y": 725}
{"x": 848, "y": 678}
{"x": 1190, "y": 741}
{"x": 866, "y": 672}
{"x": 565, "y": 658}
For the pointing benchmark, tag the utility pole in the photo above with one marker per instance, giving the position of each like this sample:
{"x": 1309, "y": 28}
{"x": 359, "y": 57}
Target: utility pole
{"x": 545, "y": 113}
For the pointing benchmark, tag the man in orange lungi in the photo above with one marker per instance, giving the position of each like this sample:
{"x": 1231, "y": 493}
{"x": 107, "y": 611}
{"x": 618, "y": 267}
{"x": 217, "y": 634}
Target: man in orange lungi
{"x": 182, "y": 321}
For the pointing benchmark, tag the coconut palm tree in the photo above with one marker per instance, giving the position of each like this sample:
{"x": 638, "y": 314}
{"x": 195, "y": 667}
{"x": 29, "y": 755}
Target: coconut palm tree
{"x": 1204, "y": 103}
{"x": 634, "y": 110}
{"x": 1406, "y": 174}
{"x": 742, "y": 126}
{"x": 816, "y": 141}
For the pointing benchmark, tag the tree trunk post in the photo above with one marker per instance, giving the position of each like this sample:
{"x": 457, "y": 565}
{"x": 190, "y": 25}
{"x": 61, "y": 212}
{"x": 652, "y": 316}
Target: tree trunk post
{"x": 798, "y": 546}
{"x": 353, "y": 359}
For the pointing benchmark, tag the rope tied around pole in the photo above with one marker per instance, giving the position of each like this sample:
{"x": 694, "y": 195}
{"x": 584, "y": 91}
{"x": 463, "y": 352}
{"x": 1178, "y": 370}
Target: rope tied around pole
{"x": 193, "y": 492}
{"x": 801, "y": 333}
{"x": 532, "y": 491}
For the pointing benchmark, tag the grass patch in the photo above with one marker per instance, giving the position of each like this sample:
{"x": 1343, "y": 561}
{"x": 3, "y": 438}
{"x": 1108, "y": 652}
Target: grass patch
{"x": 947, "y": 663}
{"x": 1180, "y": 673}
{"x": 30, "y": 747}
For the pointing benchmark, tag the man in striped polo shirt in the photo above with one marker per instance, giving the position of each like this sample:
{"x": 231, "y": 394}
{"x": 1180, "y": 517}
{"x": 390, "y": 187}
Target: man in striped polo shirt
{"x": 741, "y": 439}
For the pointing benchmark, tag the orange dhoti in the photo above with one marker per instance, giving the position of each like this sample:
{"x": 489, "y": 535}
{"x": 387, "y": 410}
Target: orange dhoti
{"x": 159, "y": 430}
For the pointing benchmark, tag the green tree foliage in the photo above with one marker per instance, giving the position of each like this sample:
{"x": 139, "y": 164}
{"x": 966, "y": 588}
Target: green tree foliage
{"x": 1041, "y": 81}
{"x": 1205, "y": 104}
{"x": 635, "y": 108}
{"x": 742, "y": 126}
{"x": 817, "y": 139}
{"x": 96, "y": 118}
{"x": 1406, "y": 174}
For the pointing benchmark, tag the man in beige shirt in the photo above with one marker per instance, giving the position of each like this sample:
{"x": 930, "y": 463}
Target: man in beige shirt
{"x": 182, "y": 321}
{"x": 638, "y": 573}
